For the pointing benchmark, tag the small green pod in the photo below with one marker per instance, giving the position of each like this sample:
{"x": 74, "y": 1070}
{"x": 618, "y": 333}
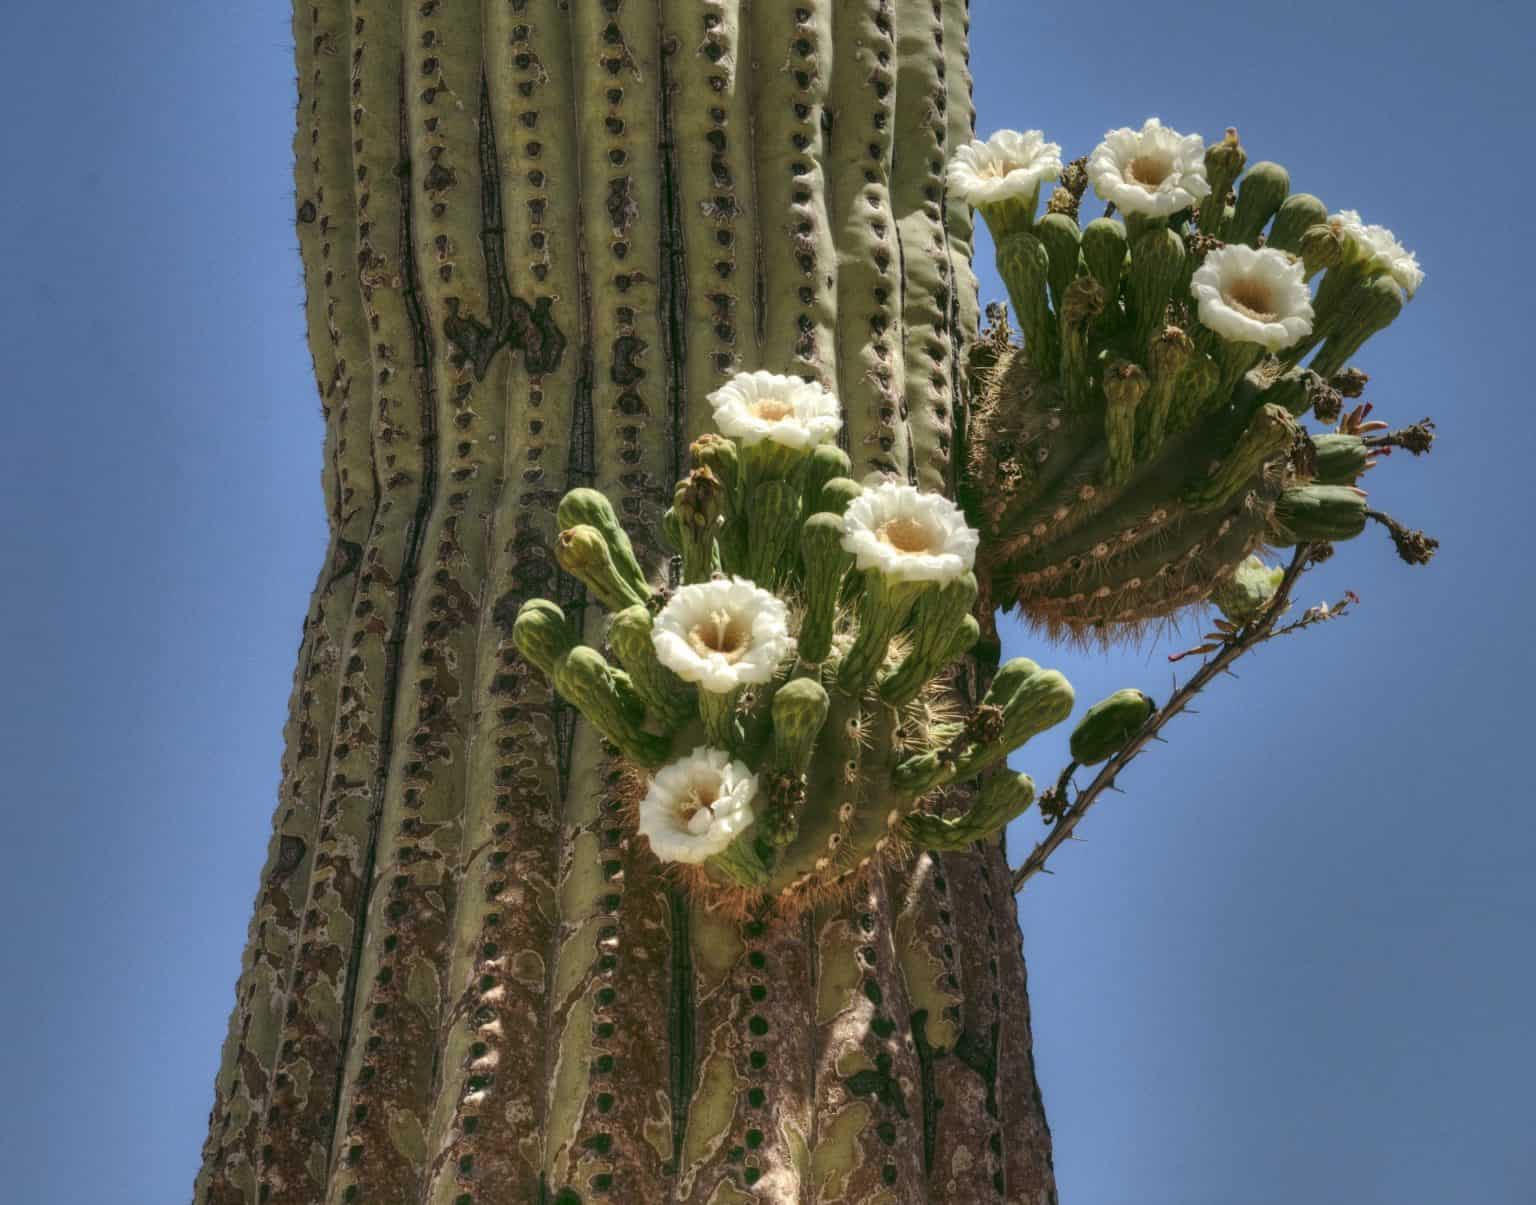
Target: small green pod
{"x": 1224, "y": 163}
{"x": 1242, "y": 597}
{"x": 1340, "y": 459}
{"x": 583, "y": 553}
{"x": 1269, "y": 432}
{"x": 698, "y": 515}
{"x": 836, "y": 495}
{"x": 1321, "y": 248}
{"x": 773, "y": 518}
{"x": 542, "y": 633}
{"x": 936, "y": 619}
{"x": 667, "y": 695}
{"x": 1003, "y": 797}
{"x": 1082, "y": 304}
{"x": 591, "y": 508}
{"x": 1104, "y": 249}
{"x": 1299, "y": 213}
{"x": 1109, "y": 724}
{"x": 1157, "y": 268}
{"x": 1259, "y": 198}
{"x": 1168, "y": 353}
{"x": 1361, "y": 311}
{"x": 1125, "y": 385}
{"x": 1063, "y": 242}
{"x": 608, "y": 698}
{"x": 799, "y": 710}
{"x": 1320, "y": 512}
{"x": 826, "y": 566}
{"x": 827, "y": 462}
{"x": 1025, "y": 267}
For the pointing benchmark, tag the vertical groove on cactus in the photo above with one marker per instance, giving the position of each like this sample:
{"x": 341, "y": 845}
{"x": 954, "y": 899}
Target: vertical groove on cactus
{"x": 922, "y": 102}
{"x": 862, "y": 105}
{"x": 486, "y": 987}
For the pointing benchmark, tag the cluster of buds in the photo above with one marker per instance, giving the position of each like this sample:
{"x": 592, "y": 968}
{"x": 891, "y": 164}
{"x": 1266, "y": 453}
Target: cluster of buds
{"x": 785, "y": 699}
{"x": 1148, "y": 435}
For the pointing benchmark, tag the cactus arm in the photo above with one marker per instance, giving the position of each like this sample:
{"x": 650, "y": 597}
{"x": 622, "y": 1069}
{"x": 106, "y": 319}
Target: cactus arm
{"x": 871, "y": 374}
{"x": 795, "y": 247}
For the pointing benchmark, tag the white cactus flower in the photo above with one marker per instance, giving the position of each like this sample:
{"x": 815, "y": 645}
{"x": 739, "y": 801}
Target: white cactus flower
{"x": 722, "y": 634}
{"x": 909, "y": 536}
{"x": 755, "y": 406}
{"x": 1008, "y": 164}
{"x": 1153, "y": 171}
{"x": 697, "y": 806}
{"x": 1254, "y": 296}
{"x": 1379, "y": 243}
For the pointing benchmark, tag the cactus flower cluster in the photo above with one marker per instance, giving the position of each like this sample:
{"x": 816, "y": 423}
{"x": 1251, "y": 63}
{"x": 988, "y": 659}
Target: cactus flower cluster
{"x": 1149, "y": 434}
{"x": 783, "y": 702}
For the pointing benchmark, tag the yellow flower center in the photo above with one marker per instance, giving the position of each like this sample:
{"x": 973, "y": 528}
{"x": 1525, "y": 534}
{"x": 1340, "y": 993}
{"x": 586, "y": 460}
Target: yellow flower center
{"x": 1149, "y": 170}
{"x": 722, "y": 633}
{"x": 772, "y": 409}
{"x": 1252, "y": 299}
{"x": 701, "y": 798}
{"x": 905, "y": 535}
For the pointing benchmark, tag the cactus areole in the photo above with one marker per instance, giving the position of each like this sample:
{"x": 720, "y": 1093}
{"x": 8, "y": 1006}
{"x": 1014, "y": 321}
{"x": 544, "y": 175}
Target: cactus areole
{"x": 638, "y": 835}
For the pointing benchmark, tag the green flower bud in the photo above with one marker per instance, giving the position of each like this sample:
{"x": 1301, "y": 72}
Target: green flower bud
{"x": 1290, "y": 392}
{"x": 773, "y": 517}
{"x": 937, "y": 617}
{"x": 837, "y": 494}
{"x": 667, "y": 695}
{"x": 799, "y": 711}
{"x": 590, "y": 508}
{"x": 1259, "y": 198}
{"x": 698, "y": 504}
{"x": 1003, "y": 797}
{"x": 1340, "y": 459}
{"x": 542, "y": 633}
{"x": 1308, "y": 513}
{"x": 720, "y": 456}
{"x": 583, "y": 553}
{"x": 1242, "y": 597}
{"x": 1062, "y": 238}
{"x": 828, "y": 463}
{"x": 883, "y": 611}
{"x": 1157, "y": 268}
{"x": 1196, "y": 391}
{"x": 1104, "y": 249}
{"x": 1370, "y": 306}
{"x": 1169, "y": 352}
{"x": 1224, "y": 162}
{"x": 826, "y": 565}
{"x": 1082, "y": 303}
{"x": 1321, "y": 247}
{"x": 1024, "y": 265}
{"x": 1109, "y": 725}
{"x": 1300, "y": 212}
{"x": 1269, "y": 432}
{"x": 1125, "y": 384}
{"x": 607, "y": 697}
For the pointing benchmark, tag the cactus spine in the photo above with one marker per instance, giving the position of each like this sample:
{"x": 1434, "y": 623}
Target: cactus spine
{"x": 467, "y": 981}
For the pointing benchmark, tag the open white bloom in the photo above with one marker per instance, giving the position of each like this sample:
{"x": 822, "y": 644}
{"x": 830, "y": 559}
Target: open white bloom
{"x": 722, "y": 634}
{"x": 696, "y": 806}
{"x": 909, "y": 536}
{"x": 1154, "y": 171}
{"x": 1254, "y": 296}
{"x": 1008, "y": 164}
{"x": 1381, "y": 244}
{"x": 754, "y": 406}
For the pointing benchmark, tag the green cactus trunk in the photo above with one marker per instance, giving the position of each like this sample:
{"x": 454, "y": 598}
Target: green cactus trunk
{"x": 536, "y": 233}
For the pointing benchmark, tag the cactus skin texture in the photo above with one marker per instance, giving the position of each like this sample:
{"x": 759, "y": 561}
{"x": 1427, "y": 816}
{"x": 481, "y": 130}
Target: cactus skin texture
{"x": 535, "y": 235}
{"x": 1125, "y": 460}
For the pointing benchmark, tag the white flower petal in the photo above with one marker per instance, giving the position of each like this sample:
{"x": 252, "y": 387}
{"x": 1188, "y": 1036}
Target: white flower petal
{"x": 1154, "y": 171}
{"x": 1008, "y": 164}
{"x": 909, "y": 536}
{"x": 1381, "y": 244}
{"x": 754, "y": 406}
{"x": 697, "y": 806}
{"x": 722, "y": 634}
{"x": 1253, "y": 296}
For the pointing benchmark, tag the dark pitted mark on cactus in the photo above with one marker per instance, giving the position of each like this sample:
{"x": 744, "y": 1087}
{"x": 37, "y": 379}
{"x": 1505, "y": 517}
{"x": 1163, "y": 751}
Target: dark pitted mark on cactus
{"x": 307, "y": 212}
{"x": 626, "y": 353}
{"x": 879, "y": 1083}
{"x": 622, "y": 207}
{"x": 290, "y": 852}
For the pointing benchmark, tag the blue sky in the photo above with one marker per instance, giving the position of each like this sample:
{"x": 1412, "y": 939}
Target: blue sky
{"x": 1291, "y": 963}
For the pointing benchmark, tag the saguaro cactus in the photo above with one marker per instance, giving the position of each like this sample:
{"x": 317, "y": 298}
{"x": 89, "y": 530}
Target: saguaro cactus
{"x": 537, "y": 235}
